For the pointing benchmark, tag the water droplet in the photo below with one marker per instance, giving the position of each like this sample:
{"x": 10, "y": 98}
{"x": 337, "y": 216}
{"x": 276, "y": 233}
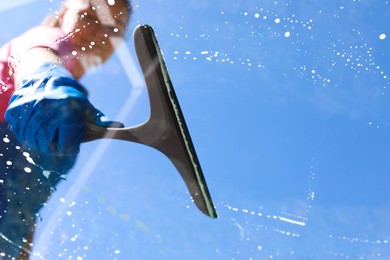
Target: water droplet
{"x": 46, "y": 174}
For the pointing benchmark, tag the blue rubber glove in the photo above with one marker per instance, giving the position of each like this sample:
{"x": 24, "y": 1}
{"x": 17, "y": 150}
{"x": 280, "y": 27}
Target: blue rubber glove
{"x": 49, "y": 111}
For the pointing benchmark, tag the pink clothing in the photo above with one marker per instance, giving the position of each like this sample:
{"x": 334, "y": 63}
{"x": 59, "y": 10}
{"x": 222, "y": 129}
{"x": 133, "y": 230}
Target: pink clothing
{"x": 41, "y": 36}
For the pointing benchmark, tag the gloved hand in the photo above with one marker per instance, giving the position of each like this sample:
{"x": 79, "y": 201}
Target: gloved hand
{"x": 49, "y": 111}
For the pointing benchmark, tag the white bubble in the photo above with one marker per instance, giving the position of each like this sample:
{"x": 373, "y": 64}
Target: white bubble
{"x": 257, "y": 15}
{"x": 9, "y": 163}
{"x": 69, "y": 213}
{"x": 287, "y": 34}
{"x": 111, "y": 2}
{"x": 74, "y": 53}
{"x": 382, "y": 36}
{"x": 6, "y": 140}
{"x": 277, "y": 20}
{"x": 27, "y": 169}
{"x": 30, "y": 160}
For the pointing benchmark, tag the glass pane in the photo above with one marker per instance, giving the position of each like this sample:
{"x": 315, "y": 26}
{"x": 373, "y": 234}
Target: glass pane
{"x": 287, "y": 104}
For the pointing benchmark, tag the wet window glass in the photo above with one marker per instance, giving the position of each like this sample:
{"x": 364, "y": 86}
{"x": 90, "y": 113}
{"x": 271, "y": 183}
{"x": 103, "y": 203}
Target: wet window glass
{"x": 286, "y": 108}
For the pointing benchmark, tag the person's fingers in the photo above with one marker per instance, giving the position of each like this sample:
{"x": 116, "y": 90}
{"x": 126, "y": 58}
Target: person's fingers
{"x": 96, "y": 117}
{"x": 105, "y": 121}
{"x": 56, "y": 126}
{"x": 69, "y": 137}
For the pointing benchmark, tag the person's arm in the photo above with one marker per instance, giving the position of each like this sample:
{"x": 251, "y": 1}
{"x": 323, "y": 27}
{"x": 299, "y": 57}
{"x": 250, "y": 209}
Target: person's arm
{"x": 49, "y": 110}
{"x": 32, "y": 59}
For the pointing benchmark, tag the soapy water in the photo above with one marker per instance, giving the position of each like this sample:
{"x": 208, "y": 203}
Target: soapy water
{"x": 289, "y": 226}
{"x": 269, "y": 220}
{"x": 244, "y": 33}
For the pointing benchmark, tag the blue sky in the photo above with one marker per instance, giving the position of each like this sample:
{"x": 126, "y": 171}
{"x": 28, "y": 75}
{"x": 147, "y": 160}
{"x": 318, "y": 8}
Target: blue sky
{"x": 288, "y": 106}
